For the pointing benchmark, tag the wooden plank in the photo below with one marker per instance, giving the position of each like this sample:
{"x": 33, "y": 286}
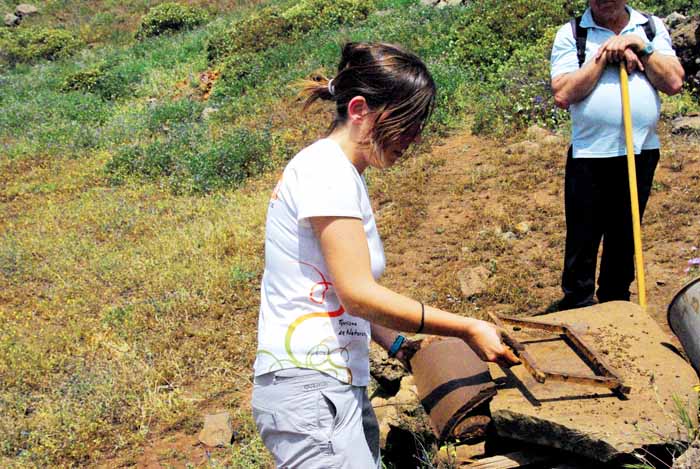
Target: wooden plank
{"x": 510, "y": 460}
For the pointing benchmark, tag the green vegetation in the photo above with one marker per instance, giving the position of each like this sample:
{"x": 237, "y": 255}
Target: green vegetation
{"x": 272, "y": 25}
{"x": 27, "y": 45}
{"x": 104, "y": 80}
{"x": 170, "y": 17}
{"x": 134, "y": 178}
{"x": 191, "y": 163}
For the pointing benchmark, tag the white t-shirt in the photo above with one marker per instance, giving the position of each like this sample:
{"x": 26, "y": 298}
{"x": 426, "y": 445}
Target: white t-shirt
{"x": 302, "y": 323}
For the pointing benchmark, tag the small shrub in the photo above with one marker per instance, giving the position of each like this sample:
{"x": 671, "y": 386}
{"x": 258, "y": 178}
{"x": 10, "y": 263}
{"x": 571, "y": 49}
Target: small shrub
{"x": 192, "y": 163}
{"x": 308, "y": 15}
{"x": 172, "y": 113}
{"x": 100, "y": 80}
{"x": 267, "y": 27}
{"x": 241, "y": 154}
{"x": 169, "y": 17}
{"x": 663, "y": 8}
{"x": 258, "y": 32}
{"x": 245, "y": 71}
{"x": 492, "y": 30}
{"x": 27, "y": 45}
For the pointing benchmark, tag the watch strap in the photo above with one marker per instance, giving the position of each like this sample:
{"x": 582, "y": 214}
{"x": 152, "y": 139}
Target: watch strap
{"x": 646, "y": 50}
{"x": 398, "y": 342}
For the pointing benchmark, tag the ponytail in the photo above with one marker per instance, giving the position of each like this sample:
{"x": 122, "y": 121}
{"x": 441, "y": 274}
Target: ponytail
{"x": 317, "y": 87}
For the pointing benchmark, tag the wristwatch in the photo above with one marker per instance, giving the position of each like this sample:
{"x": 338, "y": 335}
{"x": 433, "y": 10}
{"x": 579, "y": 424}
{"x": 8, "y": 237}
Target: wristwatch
{"x": 646, "y": 50}
{"x": 396, "y": 346}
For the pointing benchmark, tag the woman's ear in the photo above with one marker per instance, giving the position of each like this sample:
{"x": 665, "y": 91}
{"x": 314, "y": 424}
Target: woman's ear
{"x": 357, "y": 109}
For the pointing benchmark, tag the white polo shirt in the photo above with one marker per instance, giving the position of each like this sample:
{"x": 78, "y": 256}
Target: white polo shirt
{"x": 302, "y": 323}
{"x": 598, "y": 129}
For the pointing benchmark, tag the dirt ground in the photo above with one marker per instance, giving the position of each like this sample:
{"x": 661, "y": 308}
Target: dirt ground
{"x": 484, "y": 189}
{"x": 470, "y": 208}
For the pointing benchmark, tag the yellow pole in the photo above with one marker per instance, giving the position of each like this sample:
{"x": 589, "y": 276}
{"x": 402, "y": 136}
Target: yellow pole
{"x": 636, "y": 223}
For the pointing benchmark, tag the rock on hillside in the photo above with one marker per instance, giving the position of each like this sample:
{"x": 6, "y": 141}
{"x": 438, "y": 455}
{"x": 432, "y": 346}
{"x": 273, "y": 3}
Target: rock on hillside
{"x": 685, "y": 33}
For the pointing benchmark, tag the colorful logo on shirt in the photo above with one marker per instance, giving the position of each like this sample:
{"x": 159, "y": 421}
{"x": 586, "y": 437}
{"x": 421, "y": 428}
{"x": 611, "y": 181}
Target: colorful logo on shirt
{"x": 276, "y": 191}
{"x": 319, "y": 356}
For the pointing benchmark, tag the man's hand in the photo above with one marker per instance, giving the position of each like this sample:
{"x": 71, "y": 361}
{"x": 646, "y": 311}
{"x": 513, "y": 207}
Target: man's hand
{"x": 624, "y": 47}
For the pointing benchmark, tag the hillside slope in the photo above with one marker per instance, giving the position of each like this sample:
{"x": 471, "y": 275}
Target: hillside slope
{"x": 448, "y": 210}
{"x": 135, "y": 174}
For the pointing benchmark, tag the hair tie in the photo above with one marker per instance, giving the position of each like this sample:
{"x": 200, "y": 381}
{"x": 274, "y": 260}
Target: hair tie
{"x": 331, "y": 88}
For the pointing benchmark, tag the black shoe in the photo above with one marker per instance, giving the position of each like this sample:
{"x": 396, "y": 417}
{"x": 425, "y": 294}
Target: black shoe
{"x": 565, "y": 303}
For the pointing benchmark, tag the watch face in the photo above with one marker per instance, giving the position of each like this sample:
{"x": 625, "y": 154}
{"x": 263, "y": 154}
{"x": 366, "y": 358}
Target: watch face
{"x": 648, "y": 49}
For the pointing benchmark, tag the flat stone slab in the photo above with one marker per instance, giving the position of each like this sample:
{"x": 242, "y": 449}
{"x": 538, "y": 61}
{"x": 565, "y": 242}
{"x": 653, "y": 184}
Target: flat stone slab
{"x": 590, "y": 420}
{"x": 217, "y": 431}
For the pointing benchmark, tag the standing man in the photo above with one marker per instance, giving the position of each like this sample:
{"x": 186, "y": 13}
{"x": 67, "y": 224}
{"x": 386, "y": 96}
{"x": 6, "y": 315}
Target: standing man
{"x": 586, "y": 80}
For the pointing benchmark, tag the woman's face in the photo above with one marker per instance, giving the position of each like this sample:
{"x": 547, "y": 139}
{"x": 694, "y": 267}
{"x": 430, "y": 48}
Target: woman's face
{"x": 396, "y": 149}
{"x": 399, "y": 147}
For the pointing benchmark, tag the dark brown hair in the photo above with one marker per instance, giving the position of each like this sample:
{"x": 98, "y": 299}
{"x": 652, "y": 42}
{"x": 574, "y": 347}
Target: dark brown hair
{"x": 393, "y": 81}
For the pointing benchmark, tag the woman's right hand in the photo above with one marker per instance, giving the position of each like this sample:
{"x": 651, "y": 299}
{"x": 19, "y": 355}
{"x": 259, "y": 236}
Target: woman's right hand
{"x": 485, "y": 339}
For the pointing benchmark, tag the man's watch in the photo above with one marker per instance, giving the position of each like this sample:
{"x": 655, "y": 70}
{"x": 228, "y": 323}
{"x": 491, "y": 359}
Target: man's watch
{"x": 646, "y": 50}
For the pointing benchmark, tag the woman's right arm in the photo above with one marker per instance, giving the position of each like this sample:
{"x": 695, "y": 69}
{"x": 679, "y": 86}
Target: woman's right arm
{"x": 345, "y": 251}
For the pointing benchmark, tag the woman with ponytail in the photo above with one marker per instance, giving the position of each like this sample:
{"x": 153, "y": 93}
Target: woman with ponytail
{"x": 321, "y": 301}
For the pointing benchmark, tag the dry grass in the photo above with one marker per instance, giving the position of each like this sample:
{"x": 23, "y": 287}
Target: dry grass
{"x": 114, "y": 300}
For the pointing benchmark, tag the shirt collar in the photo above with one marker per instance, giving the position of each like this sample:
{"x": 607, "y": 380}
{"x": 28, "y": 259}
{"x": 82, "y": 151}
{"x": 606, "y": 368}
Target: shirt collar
{"x": 636, "y": 19}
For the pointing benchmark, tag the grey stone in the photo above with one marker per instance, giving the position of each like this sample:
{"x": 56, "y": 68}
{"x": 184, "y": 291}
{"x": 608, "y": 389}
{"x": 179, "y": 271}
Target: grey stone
{"x": 473, "y": 281}
{"x": 537, "y": 133}
{"x": 402, "y": 412}
{"x": 686, "y": 125}
{"x": 388, "y": 372}
{"x": 217, "y": 431}
{"x": 690, "y": 459}
{"x": 12, "y": 20}
{"x": 552, "y": 140}
{"x": 525, "y": 147}
{"x": 208, "y": 112}
{"x": 509, "y": 236}
{"x": 685, "y": 35}
{"x": 523, "y": 227}
{"x": 591, "y": 421}
{"x": 442, "y": 3}
{"x": 26, "y": 9}
{"x": 674, "y": 19}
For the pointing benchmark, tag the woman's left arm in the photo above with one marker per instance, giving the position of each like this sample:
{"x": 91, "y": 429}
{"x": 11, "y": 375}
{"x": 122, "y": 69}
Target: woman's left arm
{"x": 385, "y": 338}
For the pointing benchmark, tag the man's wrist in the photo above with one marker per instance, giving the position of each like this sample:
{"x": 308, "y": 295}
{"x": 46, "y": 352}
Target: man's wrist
{"x": 646, "y": 50}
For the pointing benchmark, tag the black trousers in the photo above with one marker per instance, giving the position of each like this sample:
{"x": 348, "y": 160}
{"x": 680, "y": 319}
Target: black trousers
{"x": 597, "y": 205}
